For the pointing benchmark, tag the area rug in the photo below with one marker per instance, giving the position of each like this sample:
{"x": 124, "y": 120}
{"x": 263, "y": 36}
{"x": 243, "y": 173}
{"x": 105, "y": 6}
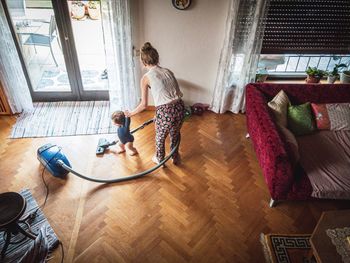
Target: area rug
{"x": 16, "y": 251}
{"x": 63, "y": 119}
{"x": 280, "y": 248}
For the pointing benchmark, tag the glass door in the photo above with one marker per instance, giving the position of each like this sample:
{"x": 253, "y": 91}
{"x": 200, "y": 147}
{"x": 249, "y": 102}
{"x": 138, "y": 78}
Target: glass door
{"x": 85, "y": 18}
{"x": 61, "y": 46}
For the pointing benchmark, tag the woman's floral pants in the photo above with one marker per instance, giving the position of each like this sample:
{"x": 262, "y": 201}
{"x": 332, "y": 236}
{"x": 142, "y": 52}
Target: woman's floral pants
{"x": 169, "y": 119}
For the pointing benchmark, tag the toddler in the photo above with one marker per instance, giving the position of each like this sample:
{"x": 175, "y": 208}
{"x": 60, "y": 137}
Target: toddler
{"x": 125, "y": 137}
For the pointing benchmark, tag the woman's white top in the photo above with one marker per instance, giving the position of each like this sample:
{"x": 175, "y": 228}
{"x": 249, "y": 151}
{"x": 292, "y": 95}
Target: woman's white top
{"x": 164, "y": 86}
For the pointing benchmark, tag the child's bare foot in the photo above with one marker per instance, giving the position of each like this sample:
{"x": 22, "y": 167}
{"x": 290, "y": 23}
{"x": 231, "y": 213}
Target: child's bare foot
{"x": 131, "y": 150}
{"x": 120, "y": 148}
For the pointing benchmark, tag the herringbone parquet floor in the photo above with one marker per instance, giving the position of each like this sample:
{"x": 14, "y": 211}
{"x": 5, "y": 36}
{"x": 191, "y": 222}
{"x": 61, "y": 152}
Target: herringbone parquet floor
{"x": 212, "y": 208}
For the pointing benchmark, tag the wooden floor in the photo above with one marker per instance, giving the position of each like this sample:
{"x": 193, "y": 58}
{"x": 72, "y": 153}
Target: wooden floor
{"x": 212, "y": 208}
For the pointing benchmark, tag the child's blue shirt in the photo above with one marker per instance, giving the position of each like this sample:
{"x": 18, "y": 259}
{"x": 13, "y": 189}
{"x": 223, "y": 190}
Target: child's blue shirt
{"x": 124, "y": 132}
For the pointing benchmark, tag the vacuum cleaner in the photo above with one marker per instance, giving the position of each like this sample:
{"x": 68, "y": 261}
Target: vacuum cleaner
{"x": 54, "y": 160}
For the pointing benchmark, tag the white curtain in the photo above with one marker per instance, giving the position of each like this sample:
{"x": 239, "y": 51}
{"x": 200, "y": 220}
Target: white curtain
{"x": 240, "y": 54}
{"x": 116, "y": 17}
{"x": 11, "y": 72}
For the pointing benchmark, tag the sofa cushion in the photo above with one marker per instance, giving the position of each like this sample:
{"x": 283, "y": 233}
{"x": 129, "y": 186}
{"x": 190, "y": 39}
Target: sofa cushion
{"x": 325, "y": 156}
{"x": 300, "y": 119}
{"x": 321, "y": 116}
{"x": 332, "y": 116}
{"x": 339, "y": 116}
{"x": 279, "y": 105}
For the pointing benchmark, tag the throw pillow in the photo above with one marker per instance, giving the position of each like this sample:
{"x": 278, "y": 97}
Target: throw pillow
{"x": 279, "y": 105}
{"x": 339, "y": 115}
{"x": 321, "y": 116}
{"x": 300, "y": 119}
{"x": 332, "y": 116}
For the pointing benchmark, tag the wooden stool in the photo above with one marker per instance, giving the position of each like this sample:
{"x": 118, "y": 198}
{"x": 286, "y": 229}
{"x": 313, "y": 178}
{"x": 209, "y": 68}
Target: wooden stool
{"x": 12, "y": 207}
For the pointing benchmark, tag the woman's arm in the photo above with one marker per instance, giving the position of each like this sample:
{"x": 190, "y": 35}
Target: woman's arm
{"x": 127, "y": 123}
{"x": 144, "y": 97}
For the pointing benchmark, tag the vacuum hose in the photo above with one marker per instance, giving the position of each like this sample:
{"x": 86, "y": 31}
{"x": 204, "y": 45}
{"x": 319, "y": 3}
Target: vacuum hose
{"x": 121, "y": 179}
{"x": 66, "y": 167}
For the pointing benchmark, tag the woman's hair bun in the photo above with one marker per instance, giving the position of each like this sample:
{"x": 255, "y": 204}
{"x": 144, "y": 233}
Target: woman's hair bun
{"x": 147, "y": 46}
{"x": 149, "y": 55}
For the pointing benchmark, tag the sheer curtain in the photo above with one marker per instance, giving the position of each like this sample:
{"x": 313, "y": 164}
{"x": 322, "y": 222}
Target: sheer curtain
{"x": 240, "y": 54}
{"x": 11, "y": 72}
{"x": 116, "y": 17}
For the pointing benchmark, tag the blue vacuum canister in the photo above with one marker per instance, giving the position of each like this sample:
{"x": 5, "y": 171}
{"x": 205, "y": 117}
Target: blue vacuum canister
{"x": 49, "y": 154}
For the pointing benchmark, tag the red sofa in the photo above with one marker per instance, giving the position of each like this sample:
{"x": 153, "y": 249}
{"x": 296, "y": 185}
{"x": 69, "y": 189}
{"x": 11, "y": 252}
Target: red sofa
{"x": 285, "y": 181}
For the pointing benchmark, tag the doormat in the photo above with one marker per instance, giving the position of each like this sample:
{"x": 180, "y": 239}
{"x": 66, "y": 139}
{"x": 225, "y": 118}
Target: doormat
{"x": 15, "y": 251}
{"x": 280, "y": 248}
{"x": 64, "y": 118}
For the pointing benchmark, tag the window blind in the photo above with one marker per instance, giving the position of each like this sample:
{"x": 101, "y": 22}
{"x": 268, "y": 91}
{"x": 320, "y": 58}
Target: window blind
{"x": 307, "y": 27}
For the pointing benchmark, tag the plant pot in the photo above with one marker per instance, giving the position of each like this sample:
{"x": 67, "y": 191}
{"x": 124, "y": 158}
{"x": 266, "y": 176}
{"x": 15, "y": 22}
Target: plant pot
{"x": 94, "y": 13}
{"x": 331, "y": 79}
{"x": 344, "y": 78}
{"x": 261, "y": 77}
{"x": 312, "y": 79}
{"x": 78, "y": 11}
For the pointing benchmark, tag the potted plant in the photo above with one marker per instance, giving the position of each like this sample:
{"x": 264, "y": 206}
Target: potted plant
{"x": 345, "y": 77}
{"x": 261, "y": 75}
{"x": 314, "y": 75}
{"x": 93, "y": 10}
{"x": 334, "y": 74}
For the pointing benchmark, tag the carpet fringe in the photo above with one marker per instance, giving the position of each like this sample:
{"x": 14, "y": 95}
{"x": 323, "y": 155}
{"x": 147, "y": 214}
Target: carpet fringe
{"x": 266, "y": 250}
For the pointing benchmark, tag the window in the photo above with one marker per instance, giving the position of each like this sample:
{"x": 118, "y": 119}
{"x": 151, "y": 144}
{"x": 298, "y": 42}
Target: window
{"x": 295, "y": 65}
{"x": 302, "y": 33}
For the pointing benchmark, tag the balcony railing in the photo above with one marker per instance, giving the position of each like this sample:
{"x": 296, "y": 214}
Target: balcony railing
{"x": 295, "y": 65}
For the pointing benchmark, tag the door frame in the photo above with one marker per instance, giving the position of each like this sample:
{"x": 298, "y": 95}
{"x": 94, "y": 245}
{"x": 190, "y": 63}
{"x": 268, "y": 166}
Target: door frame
{"x": 64, "y": 27}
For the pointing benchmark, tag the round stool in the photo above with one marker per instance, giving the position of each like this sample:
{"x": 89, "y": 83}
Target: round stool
{"x": 12, "y": 207}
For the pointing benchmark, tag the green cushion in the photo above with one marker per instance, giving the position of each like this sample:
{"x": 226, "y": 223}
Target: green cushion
{"x": 300, "y": 119}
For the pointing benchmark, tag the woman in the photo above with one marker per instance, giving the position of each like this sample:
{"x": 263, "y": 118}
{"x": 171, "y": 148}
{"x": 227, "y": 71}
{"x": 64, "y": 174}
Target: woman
{"x": 170, "y": 109}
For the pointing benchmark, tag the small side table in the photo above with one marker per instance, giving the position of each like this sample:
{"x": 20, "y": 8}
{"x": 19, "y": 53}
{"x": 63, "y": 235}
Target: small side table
{"x": 323, "y": 248}
{"x": 12, "y": 207}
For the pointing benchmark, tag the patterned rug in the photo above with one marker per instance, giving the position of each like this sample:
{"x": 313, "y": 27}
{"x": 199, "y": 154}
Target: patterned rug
{"x": 286, "y": 248}
{"x": 64, "y": 119}
{"x": 16, "y": 251}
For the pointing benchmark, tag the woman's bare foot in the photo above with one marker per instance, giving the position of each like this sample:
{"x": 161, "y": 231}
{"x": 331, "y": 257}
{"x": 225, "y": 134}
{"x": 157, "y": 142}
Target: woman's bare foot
{"x": 177, "y": 160}
{"x": 132, "y": 152}
{"x": 155, "y": 159}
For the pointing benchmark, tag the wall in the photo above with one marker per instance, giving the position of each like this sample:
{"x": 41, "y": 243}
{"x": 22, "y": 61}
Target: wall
{"x": 189, "y": 42}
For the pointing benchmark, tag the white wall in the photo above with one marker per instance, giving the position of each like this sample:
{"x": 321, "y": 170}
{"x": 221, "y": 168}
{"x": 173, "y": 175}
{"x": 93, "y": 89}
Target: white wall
{"x": 189, "y": 42}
